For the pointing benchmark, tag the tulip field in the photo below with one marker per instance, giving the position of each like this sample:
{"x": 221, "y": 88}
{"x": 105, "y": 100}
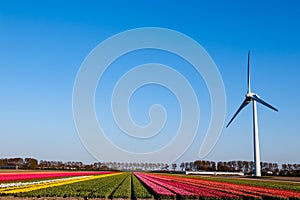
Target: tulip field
{"x": 5, "y": 177}
{"x": 139, "y": 185}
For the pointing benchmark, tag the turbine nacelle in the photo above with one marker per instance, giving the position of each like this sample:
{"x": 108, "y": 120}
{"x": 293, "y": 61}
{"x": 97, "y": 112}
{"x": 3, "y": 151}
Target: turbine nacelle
{"x": 251, "y": 94}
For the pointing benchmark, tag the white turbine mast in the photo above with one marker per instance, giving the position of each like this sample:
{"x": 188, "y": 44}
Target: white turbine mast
{"x": 252, "y": 97}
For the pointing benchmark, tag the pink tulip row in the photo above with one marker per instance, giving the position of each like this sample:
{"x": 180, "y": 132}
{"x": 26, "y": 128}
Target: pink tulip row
{"x": 193, "y": 189}
{"x": 155, "y": 187}
{"x": 235, "y": 189}
{"x": 180, "y": 188}
{"x": 6, "y": 177}
{"x": 212, "y": 188}
{"x": 170, "y": 186}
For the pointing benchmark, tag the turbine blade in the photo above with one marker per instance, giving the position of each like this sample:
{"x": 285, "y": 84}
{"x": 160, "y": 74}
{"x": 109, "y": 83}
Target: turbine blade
{"x": 249, "y": 87}
{"x": 256, "y": 98}
{"x": 245, "y": 102}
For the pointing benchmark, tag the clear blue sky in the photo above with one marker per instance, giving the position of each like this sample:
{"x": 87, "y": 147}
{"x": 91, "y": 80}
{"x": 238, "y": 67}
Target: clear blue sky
{"x": 43, "y": 43}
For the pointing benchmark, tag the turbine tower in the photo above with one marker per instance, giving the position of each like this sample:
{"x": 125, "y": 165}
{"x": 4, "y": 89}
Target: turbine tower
{"x": 252, "y": 97}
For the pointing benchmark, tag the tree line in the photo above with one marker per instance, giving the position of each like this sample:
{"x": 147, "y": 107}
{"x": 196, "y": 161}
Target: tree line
{"x": 18, "y": 163}
{"x": 31, "y": 163}
{"x": 246, "y": 167}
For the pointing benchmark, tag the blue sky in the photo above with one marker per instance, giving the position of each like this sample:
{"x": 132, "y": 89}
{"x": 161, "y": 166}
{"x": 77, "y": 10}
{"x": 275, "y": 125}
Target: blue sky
{"x": 43, "y": 43}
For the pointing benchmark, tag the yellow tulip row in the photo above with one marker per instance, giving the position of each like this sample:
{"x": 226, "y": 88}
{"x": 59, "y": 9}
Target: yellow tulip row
{"x": 59, "y": 182}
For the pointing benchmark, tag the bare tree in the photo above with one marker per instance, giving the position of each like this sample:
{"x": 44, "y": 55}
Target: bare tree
{"x": 213, "y": 166}
{"x": 174, "y": 165}
{"x": 182, "y": 166}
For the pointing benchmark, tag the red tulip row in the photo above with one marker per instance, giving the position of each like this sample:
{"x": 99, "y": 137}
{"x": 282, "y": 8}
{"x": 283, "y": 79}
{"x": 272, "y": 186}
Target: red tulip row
{"x": 6, "y": 177}
{"x": 235, "y": 189}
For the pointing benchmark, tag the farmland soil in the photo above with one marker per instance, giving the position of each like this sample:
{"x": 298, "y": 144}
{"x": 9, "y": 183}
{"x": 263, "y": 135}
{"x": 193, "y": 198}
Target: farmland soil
{"x": 46, "y": 198}
{"x": 55, "y": 198}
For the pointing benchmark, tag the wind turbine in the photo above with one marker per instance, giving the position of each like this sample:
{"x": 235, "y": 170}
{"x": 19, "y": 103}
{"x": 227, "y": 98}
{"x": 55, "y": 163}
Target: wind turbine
{"x": 252, "y": 97}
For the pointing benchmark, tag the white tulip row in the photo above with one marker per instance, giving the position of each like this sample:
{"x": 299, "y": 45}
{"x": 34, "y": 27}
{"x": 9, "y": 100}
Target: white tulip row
{"x": 17, "y": 184}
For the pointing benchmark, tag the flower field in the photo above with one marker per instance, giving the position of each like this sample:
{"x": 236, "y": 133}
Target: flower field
{"x": 5, "y": 177}
{"x": 190, "y": 187}
{"x": 139, "y": 185}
